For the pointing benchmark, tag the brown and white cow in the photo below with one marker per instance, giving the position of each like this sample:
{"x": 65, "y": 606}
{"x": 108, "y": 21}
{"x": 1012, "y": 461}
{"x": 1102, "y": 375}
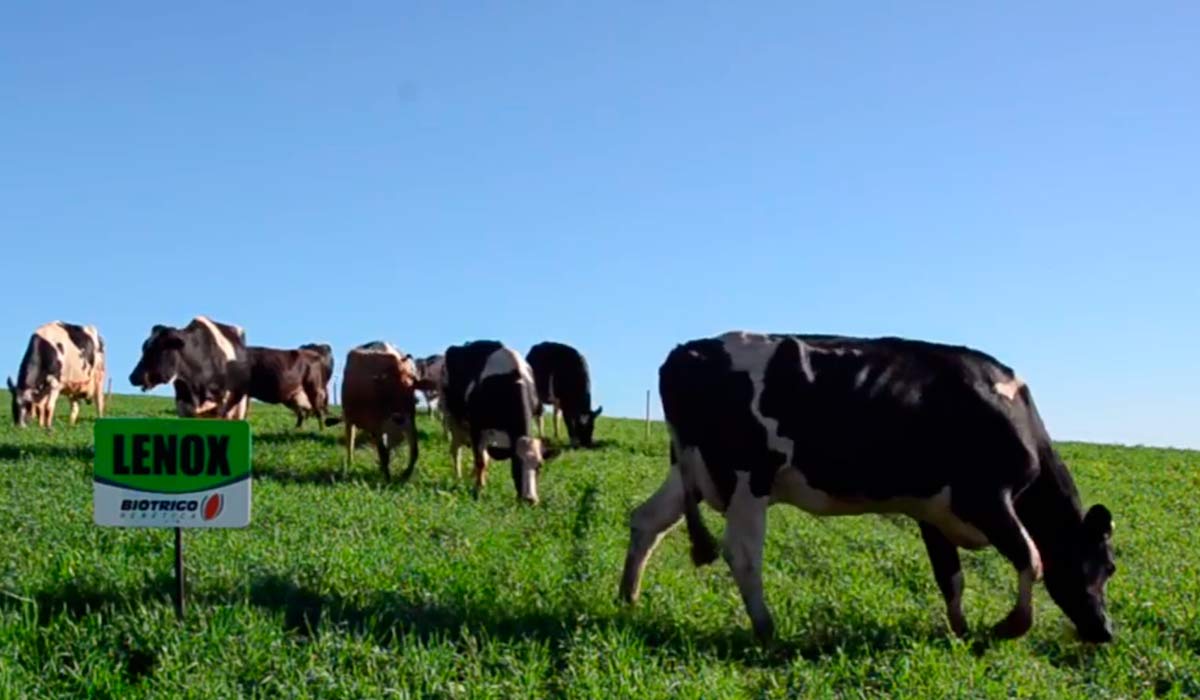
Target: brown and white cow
{"x": 207, "y": 363}
{"x": 379, "y": 398}
{"x": 293, "y": 378}
{"x": 61, "y": 359}
{"x": 321, "y": 408}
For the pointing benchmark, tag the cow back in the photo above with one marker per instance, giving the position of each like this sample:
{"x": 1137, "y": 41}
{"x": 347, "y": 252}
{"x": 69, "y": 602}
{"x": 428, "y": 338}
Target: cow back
{"x": 378, "y": 383}
{"x": 463, "y": 367}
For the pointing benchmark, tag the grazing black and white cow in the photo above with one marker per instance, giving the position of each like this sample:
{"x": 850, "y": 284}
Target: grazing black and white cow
{"x": 841, "y": 426}
{"x": 60, "y": 359}
{"x": 429, "y": 378}
{"x": 563, "y": 381}
{"x": 294, "y": 378}
{"x": 488, "y": 398}
{"x": 206, "y": 361}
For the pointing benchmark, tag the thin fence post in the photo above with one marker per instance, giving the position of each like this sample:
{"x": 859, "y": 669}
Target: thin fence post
{"x": 647, "y": 414}
{"x": 108, "y": 393}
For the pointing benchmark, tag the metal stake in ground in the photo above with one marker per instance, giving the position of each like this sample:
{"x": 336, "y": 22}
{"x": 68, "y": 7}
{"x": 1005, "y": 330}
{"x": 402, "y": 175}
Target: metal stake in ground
{"x": 179, "y": 582}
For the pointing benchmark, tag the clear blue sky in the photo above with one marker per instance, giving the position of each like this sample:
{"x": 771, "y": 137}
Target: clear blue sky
{"x": 1021, "y": 177}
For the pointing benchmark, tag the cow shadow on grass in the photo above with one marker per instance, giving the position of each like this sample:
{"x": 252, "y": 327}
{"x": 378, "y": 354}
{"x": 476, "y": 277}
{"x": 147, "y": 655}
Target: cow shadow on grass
{"x": 67, "y": 452}
{"x": 77, "y": 600}
{"x": 327, "y": 437}
{"x": 389, "y": 616}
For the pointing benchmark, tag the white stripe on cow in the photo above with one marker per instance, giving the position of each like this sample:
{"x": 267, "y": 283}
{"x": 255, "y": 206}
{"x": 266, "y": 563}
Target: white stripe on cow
{"x": 221, "y": 340}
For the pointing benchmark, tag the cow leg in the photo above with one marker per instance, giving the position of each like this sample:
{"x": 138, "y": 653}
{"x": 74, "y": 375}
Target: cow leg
{"x": 648, "y": 524}
{"x": 745, "y": 532}
{"x": 456, "y": 445}
{"x": 556, "y": 421}
{"x": 410, "y": 434}
{"x": 74, "y": 411}
{"x": 947, "y": 570}
{"x": 481, "y": 465}
{"x": 350, "y": 433}
{"x": 995, "y": 518}
{"x": 51, "y": 404}
{"x": 385, "y": 453}
{"x": 101, "y": 399}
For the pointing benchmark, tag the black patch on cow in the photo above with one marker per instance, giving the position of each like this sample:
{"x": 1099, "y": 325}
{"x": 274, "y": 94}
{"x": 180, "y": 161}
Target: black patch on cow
{"x": 41, "y": 361}
{"x": 708, "y": 406}
{"x": 464, "y": 364}
{"x": 82, "y": 342}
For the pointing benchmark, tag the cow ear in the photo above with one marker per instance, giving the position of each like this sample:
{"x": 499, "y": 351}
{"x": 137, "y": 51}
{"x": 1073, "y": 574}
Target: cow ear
{"x": 11, "y": 387}
{"x": 597, "y": 412}
{"x": 1098, "y": 522}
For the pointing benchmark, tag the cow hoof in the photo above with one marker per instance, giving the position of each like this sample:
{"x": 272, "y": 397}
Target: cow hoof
{"x": 1015, "y": 625}
{"x": 764, "y": 632}
{"x": 704, "y": 550}
{"x": 959, "y": 628}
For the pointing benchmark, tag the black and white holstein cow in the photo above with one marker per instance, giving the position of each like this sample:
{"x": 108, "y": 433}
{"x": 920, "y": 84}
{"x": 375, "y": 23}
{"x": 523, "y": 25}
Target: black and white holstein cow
{"x": 60, "y": 359}
{"x": 488, "y": 399}
{"x": 429, "y": 378}
{"x": 563, "y": 382}
{"x": 842, "y": 426}
{"x": 206, "y": 361}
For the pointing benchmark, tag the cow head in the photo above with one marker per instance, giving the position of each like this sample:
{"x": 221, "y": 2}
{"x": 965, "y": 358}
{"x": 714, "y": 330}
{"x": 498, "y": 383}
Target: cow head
{"x": 526, "y": 464}
{"x": 161, "y": 357}
{"x": 1076, "y": 578}
{"x": 22, "y": 402}
{"x": 585, "y": 427}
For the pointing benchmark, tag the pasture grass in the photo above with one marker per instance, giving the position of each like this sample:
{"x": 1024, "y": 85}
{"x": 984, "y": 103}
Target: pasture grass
{"x": 347, "y": 586}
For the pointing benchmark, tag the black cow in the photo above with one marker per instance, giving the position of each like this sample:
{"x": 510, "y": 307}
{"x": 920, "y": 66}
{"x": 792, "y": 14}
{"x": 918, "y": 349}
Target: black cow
{"x": 206, "y": 361}
{"x": 561, "y": 373}
{"x": 838, "y": 426}
{"x": 294, "y": 378}
{"x": 488, "y": 398}
{"x": 61, "y": 359}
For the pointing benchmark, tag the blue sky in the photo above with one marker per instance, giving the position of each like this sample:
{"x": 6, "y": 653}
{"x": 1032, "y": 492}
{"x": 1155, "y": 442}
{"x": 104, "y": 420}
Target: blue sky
{"x": 1019, "y": 177}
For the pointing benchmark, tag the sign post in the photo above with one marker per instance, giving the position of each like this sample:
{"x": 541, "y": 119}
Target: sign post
{"x": 172, "y": 473}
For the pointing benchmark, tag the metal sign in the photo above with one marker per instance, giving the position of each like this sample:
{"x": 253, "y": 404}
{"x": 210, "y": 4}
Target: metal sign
{"x": 171, "y": 472}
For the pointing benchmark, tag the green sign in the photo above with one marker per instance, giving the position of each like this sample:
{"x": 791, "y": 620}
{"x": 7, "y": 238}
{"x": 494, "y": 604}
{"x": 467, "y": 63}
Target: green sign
{"x": 172, "y": 472}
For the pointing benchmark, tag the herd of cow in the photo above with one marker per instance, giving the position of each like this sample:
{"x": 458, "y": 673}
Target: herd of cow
{"x": 833, "y": 425}
{"x": 487, "y": 394}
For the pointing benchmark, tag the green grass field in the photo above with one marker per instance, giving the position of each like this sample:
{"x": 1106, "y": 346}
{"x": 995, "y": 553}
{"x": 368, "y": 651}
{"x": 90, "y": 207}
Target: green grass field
{"x": 346, "y": 586}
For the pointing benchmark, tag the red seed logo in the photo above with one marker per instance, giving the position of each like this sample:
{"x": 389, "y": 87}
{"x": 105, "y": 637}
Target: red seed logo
{"x": 212, "y": 506}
